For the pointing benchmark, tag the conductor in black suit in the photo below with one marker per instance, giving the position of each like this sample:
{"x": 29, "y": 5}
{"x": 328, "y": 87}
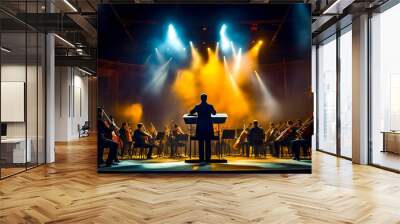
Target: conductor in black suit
{"x": 204, "y": 126}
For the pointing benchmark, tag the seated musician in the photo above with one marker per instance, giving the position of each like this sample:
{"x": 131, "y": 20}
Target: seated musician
{"x": 304, "y": 135}
{"x": 256, "y": 138}
{"x": 113, "y": 137}
{"x": 139, "y": 136}
{"x": 104, "y": 141}
{"x": 167, "y": 139}
{"x": 125, "y": 135}
{"x": 270, "y": 136}
{"x": 285, "y": 137}
{"x": 174, "y": 133}
{"x": 177, "y": 130}
{"x": 298, "y": 124}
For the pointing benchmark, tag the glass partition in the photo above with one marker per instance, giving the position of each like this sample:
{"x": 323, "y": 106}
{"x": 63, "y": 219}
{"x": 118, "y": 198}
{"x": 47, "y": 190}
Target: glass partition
{"x": 15, "y": 150}
{"x": 385, "y": 89}
{"x": 22, "y": 88}
{"x": 41, "y": 96}
{"x": 31, "y": 97}
{"x": 346, "y": 92}
{"x": 327, "y": 95}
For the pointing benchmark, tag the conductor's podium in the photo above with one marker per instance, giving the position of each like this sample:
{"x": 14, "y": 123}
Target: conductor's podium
{"x": 217, "y": 119}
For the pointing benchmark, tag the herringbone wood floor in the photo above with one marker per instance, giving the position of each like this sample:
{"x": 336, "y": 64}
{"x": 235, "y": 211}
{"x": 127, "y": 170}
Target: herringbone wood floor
{"x": 70, "y": 191}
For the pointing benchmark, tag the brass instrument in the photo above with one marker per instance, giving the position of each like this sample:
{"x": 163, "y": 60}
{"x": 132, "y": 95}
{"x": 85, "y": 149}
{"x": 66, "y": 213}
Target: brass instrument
{"x": 270, "y": 134}
{"x": 242, "y": 137}
{"x": 284, "y": 133}
{"x": 304, "y": 126}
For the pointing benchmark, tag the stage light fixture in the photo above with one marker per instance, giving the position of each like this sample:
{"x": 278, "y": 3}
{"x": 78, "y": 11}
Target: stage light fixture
{"x": 173, "y": 39}
{"x": 225, "y": 43}
{"x": 171, "y": 32}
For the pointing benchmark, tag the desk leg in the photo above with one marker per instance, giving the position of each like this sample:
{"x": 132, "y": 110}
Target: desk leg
{"x": 384, "y": 142}
{"x": 190, "y": 141}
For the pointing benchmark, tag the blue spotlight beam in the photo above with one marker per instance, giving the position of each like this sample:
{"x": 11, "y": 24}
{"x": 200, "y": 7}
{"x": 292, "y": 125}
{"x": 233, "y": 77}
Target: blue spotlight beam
{"x": 159, "y": 77}
{"x": 173, "y": 39}
{"x": 225, "y": 43}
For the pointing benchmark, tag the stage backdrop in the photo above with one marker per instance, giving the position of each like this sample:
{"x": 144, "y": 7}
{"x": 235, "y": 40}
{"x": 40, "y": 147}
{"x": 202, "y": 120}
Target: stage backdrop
{"x": 253, "y": 63}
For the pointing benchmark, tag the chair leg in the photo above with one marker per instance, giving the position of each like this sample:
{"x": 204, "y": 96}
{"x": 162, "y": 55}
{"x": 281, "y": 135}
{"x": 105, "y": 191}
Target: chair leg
{"x": 130, "y": 151}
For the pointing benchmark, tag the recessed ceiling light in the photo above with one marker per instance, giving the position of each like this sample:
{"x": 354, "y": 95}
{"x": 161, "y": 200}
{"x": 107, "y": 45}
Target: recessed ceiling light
{"x": 5, "y": 50}
{"x": 70, "y": 5}
{"x": 64, "y": 40}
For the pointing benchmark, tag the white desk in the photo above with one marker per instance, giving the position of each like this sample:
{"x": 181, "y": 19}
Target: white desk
{"x": 16, "y": 146}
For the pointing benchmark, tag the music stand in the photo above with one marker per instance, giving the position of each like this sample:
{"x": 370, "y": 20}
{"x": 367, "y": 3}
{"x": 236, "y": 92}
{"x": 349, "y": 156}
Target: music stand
{"x": 218, "y": 119}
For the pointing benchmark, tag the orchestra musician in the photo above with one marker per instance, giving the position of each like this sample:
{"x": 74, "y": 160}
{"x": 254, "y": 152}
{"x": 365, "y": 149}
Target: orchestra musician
{"x": 142, "y": 138}
{"x": 242, "y": 141}
{"x": 304, "y": 135}
{"x": 174, "y": 142}
{"x": 104, "y": 141}
{"x": 270, "y": 136}
{"x": 153, "y": 131}
{"x": 166, "y": 141}
{"x": 204, "y": 127}
{"x": 256, "y": 138}
{"x": 285, "y": 137}
{"x": 114, "y": 136}
{"x": 126, "y": 137}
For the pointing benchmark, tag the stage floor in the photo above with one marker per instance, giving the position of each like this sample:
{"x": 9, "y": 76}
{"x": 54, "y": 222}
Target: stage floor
{"x": 234, "y": 165}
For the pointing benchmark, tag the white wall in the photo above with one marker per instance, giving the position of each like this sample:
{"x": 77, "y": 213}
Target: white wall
{"x": 10, "y": 73}
{"x": 71, "y": 102}
{"x": 33, "y": 127}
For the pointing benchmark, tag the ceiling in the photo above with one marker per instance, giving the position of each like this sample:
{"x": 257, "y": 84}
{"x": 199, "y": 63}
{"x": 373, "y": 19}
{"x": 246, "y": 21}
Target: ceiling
{"x": 76, "y": 22}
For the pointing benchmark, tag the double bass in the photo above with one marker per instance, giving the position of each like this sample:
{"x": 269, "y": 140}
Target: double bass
{"x": 114, "y": 135}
